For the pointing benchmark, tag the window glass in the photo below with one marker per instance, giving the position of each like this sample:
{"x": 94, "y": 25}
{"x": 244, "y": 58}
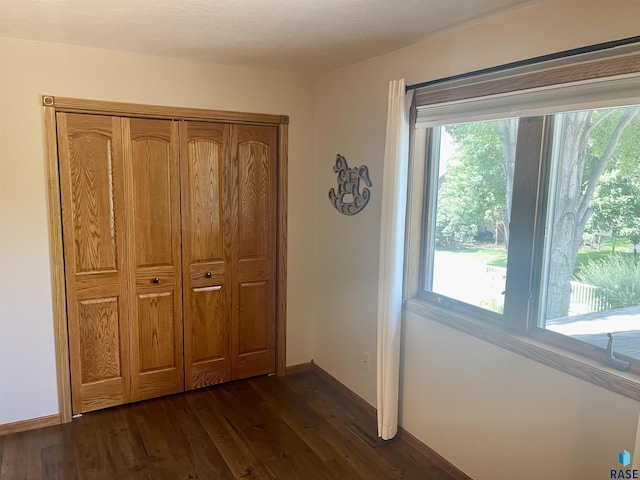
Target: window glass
{"x": 591, "y": 272}
{"x": 471, "y": 179}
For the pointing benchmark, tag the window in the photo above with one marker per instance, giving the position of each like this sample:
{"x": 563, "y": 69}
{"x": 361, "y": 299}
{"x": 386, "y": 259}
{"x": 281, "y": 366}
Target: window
{"x": 531, "y": 218}
{"x": 470, "y": 184}
{"x": 590, "y": 283}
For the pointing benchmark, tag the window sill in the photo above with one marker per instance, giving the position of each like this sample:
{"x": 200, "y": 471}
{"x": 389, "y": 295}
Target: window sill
{"x": 623, "y": 383}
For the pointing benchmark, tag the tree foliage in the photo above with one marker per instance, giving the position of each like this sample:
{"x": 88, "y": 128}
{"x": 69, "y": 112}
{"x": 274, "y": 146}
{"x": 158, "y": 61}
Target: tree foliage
{"x": 616, "y": 205}
{"x": 597, "y": 175}
{"x": 592, "y": 142}
{"x": 616, "y": 202}
{"x": 472, "y": 189}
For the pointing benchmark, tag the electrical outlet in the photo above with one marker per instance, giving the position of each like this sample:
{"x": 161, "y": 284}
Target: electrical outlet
{"x": 365, "y": 361}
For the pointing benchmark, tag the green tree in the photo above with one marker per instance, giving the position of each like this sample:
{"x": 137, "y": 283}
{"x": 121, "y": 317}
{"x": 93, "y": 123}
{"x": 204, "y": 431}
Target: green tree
{"x": 616, "y": 205}
{"x": 478, "y": 184}
{"x": 472, "y": 192}
{"x": 590, "y": 140}
{"x": 625, "y": 164}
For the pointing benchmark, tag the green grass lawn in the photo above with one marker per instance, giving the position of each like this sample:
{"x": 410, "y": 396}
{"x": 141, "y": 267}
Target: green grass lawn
{"x": 587, "y": 255}
{"x": 489, "y": 255}
{"x": 497, "y": 256}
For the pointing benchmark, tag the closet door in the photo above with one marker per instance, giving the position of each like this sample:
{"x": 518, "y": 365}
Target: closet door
{"x": 153, "y": 235}
{"x": 206, "y": 252}
{"x": 92, "y": 195}
{"x": 254, "y": 151}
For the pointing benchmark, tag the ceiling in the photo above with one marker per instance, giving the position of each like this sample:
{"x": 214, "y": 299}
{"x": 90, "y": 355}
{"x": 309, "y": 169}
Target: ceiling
{"x": 295, "y": 35}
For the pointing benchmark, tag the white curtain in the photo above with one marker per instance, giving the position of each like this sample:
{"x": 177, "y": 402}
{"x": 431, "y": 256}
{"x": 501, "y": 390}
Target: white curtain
{"x": 394, "y": 201}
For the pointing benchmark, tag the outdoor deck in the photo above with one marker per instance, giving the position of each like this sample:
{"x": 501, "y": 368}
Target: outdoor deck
{"x": 623, "y": 323}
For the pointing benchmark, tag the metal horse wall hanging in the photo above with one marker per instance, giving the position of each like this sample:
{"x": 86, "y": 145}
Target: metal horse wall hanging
{"x": 349, "y": 183}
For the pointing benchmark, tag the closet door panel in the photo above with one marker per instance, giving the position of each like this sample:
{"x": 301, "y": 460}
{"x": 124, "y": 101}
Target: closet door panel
{"x": 99, "y": 339}
{"x": 210, "y": 344}
{"x": 156, "y": 318}
{"x": 253, "y": 335}
{"x": 152, "y": 197}
{"x": 254, "y": 149}
{"x": 151, "y": 155}
{"x": 206, "y": 252}
{"x": 92, "y": 195}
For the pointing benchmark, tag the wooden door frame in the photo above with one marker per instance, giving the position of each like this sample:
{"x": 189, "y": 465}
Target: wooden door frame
{"x": 52, "y": 105}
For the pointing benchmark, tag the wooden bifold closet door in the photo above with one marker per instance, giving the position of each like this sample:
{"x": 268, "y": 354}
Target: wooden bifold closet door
{"x": 152, "y": 191}
{"x": 254, "y": 261}
{"x": 92, "y": 193}
{"x": 206, "y": 252}
{"x": 228, "y": 247}
{"x": 169, "y": 233}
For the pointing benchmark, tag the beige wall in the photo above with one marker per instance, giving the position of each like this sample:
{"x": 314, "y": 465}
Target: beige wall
{"x": 30, "y": 69}
{"x": 494, "y": 414}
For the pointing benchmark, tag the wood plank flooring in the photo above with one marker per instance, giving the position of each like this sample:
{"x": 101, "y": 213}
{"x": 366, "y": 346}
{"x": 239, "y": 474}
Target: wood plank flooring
{"x": 292, "y": 427}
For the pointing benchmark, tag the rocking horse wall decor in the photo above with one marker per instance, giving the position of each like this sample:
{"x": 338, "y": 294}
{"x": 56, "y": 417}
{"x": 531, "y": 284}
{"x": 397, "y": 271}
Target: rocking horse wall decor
{"x": 351, "y": 196}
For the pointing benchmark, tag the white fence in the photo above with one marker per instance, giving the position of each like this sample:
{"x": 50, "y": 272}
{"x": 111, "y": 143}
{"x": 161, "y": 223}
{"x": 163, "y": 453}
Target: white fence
{"x": 584, "y": 299}
{"x": 497, "y": 277}
{"x": 583, "y": 295}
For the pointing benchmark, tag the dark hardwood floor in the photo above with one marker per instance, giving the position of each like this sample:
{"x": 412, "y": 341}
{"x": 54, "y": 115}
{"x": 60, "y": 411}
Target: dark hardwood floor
{"x": 293, "y": 427}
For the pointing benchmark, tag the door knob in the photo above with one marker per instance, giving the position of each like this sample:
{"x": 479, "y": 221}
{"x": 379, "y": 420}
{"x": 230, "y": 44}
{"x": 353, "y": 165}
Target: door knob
{"x": 156, "y": 280}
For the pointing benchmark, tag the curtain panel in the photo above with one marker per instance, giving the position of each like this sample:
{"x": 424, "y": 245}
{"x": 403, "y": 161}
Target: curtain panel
{"x": 392, "y": 233}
